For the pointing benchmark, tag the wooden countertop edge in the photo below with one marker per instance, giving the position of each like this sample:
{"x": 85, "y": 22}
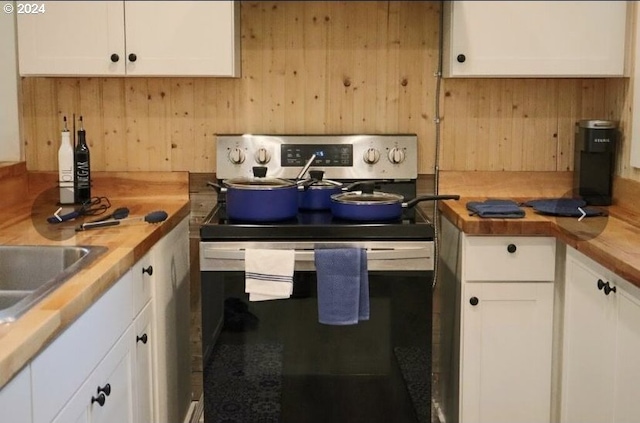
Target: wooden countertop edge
{"x": 23, "y": 339}
{"x": 617, "y": 249}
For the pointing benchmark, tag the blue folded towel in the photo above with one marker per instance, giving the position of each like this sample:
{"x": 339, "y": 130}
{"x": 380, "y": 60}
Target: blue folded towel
{"x": 343, "y": 285}
{"x": 567, "y": 207}
{"x": 505, "y": 209}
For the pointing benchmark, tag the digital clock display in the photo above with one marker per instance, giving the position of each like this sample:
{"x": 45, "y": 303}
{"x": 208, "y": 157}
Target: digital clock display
{"x": 333, "y": 155}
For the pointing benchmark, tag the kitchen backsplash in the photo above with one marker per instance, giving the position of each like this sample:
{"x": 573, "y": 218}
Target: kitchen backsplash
{"x": 323, "y": 67}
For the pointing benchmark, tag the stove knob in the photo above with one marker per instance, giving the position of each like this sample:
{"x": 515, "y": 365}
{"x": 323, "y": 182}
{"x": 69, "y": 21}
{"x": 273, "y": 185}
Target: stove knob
{"x": 262, "y": 156}
{"x": 371, "y": 156}
{"x": 236, "y": 156}
{"x": 396, "y": 155}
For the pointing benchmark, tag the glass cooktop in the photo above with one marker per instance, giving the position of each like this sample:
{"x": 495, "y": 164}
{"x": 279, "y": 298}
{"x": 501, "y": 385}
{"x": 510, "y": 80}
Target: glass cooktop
{"x": 413, "y": 225}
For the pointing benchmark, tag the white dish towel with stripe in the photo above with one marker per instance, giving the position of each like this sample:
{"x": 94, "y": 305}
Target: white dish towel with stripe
{"x": 268, "y": 274}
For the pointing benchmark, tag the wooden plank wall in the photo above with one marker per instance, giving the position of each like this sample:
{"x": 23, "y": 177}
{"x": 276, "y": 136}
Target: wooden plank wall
{"x": 321, "y": 67}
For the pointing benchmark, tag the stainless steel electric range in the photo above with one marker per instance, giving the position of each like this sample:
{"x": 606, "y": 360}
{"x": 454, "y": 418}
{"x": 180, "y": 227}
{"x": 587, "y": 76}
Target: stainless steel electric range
{"x": 272, "y": 361}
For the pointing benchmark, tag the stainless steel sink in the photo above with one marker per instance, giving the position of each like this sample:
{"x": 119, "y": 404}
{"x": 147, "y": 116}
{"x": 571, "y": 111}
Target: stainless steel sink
{"x": 28, "y": 273}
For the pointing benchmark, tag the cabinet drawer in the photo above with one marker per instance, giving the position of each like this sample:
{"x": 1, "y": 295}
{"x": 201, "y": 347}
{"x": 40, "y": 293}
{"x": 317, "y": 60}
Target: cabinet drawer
{"x": 488, "y": 258}
{"x": 65, "y": 364}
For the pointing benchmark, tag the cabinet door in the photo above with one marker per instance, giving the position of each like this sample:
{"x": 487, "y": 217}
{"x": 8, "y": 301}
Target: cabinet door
{"x": 506, "y": 352}
{"x": 110, "y": 383}
{"x": 535, "y": 38}
{"x": 72, "y": 38}
{"x": 588, "y": 346}
{"x": 627, "y": 363}
{"x": 171, "y": 317}
{"x": 143, "y": 338}
{"x": 185, "y": 38}
{"x": 15, "y": 398}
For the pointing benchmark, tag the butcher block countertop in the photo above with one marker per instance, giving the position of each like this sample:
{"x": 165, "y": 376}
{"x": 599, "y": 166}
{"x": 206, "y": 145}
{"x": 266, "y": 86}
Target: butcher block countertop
{"x": 23, "y": 222}
{"x": 613, "y": 241}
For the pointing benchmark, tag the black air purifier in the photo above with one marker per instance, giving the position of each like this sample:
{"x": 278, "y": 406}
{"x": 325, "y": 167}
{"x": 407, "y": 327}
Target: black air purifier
{"x": 594, "y": 160}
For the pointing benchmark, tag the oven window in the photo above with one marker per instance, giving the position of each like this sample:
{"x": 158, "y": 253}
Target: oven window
{"x": 273, "y": 361}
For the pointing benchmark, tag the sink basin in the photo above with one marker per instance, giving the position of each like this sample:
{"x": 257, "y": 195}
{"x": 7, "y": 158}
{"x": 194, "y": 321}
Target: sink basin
{"x": 28, "y": 273}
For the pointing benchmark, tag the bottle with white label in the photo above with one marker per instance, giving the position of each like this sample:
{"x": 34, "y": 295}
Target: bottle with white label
{"x": 65, "y": 167}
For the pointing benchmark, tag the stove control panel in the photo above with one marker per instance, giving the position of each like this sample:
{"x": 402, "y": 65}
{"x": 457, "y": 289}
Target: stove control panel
{"x": 339, "y": 156}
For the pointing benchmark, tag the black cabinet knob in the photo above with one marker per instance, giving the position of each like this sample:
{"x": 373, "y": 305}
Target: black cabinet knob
{"x": 115, "y": 58}
{"x": 148, "y": 270}
{"x": 474, "y": 301}
{"x": 608, "y": 289}
{"x": 461, "y": 58}
{"x": 132, "y": 57}
{"x": 142, "y": 338}
{"x": 106, "y": 389}
{"x": 100, "y": 399}
{"x": 512, "y": 248}
{"x": 600, "y": 284}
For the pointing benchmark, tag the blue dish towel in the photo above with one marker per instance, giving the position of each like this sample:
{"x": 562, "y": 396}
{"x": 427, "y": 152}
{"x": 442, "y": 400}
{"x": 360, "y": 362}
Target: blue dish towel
{"x": 504, "y": 209}
{"x": 343, "y": 285}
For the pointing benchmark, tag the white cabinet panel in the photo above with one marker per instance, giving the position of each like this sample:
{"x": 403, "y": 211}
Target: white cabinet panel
{"x": 144, "y": 338}
{"x": 171, "y": 324}
{"x": 589, "y": 334}
{"x": 506, "y": 352}
{"x": 107, "y": 395}
{"x": 65, "y": 364}
{"x": 600, "y": 366}
{"x": 513, "y": 258}
{"x": 15, "y": 399}
{"x": 186, "y": 38}
{"x": 72, "y": 38}
{"x": 534, "y": 38}
{"x": 138, "y": 38}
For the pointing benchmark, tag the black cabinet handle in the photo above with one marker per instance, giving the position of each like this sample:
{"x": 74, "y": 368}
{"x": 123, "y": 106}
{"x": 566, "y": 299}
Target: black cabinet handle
{"x": 148, "y": 270}
{"x": 142, "y": 338}
{"x": 608, "y": 289}
{"x": 115, "y": 58}
{"x": 461, "y": 58}
{"x": 133, "y": 57}
{"x": 101, "y": 399}
{"x": 106, "y": 389}
{"x": 474, "y": 301}
{"x": 512, "y": 248}
{"x": 600, "y": 284}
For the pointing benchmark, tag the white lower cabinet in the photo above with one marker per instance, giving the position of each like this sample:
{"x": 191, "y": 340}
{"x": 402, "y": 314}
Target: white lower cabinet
{"x": 506, "y": 329}
{"x": 126, "y": 359}
{"x": 107, "y": 395}
{"x": 506, "y": 345}
{"x": 171, "y": 323}
{"x": 601, "y": 345}
{"x": 67, "y": 363}
{"x": 15, "y": 399}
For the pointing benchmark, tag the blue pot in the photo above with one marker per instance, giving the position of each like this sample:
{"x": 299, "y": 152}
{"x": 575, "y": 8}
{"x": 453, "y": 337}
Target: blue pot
{"x": 261, "y": 199}
{"x": 316, "y": 194}
{"x": 376, "y": 206}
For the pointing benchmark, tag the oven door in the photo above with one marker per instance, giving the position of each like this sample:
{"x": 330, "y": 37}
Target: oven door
{"x": 272, "y": 361}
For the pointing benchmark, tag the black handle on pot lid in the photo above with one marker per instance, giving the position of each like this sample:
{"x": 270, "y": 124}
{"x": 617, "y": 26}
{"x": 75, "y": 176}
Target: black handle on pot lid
{"x": 259, "y": 171}
{"x": 316, "y": 174}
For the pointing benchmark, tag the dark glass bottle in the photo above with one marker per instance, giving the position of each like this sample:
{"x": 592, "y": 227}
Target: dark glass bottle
{"x": 82, "y": 167}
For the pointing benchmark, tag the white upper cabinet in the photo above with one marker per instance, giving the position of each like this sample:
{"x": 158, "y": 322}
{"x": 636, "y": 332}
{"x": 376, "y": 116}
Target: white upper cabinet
{"x": 534, "y": 38}
{"x": 134, "y": 38}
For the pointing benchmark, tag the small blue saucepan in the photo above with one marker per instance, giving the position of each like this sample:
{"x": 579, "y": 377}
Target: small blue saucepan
{"x": 370, "y": 206}
{"x": 315, "y": 193}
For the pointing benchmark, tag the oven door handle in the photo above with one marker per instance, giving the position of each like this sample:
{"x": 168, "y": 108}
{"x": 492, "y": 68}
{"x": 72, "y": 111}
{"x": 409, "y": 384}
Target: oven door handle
{"x": 308, "y": 255}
